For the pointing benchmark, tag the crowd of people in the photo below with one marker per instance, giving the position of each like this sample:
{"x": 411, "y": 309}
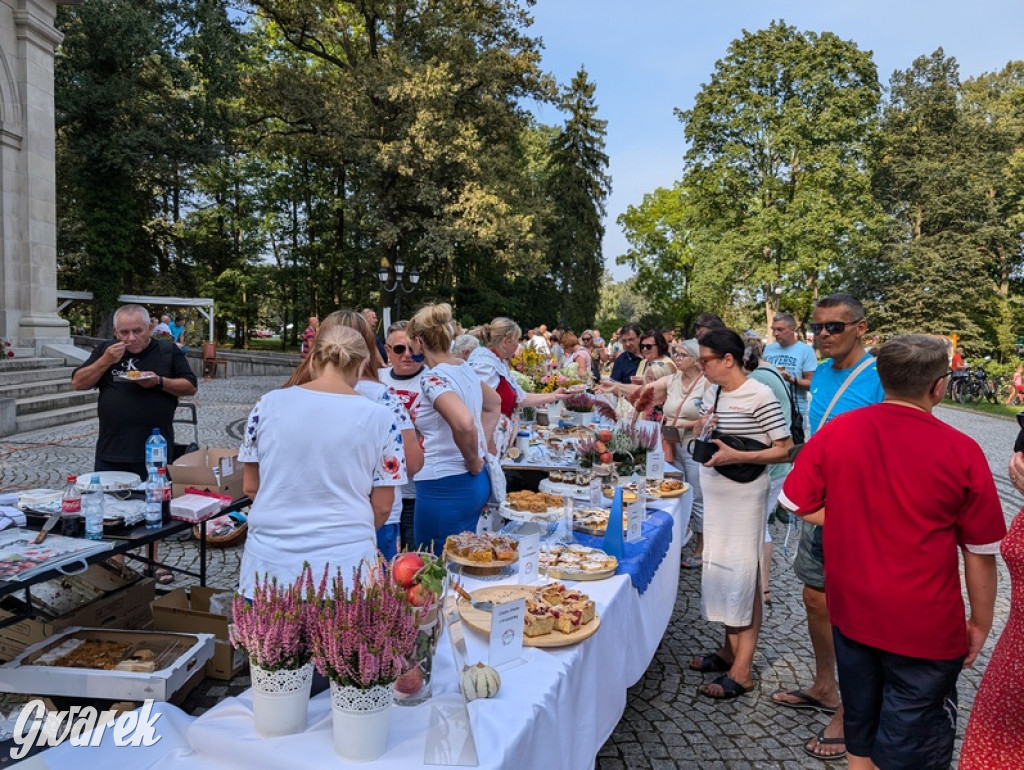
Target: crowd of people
{"x": 419, "y": 418}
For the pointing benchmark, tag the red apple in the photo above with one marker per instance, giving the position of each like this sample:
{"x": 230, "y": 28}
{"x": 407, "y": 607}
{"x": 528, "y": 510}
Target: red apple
{"x": 604, "y": 435}
{"x": 410, "y": 682}
{"x": 405, "y": 568}
{"x": 606, "y": 457}
{"x": 600, "y": 447}
{"x": 419, "y": 596}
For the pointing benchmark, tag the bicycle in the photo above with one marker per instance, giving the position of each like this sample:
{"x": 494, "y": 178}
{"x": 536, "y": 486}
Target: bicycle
{"x": 974, "y": 385}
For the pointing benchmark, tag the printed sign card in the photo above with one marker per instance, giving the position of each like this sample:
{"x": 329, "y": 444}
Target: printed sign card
{"x": 635, "y": 520}
{"x": 529, "y": 556}
{"x": 506, "y": 632}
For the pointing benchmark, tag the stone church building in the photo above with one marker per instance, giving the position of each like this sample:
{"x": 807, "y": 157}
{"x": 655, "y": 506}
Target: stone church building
{"x": 28, "y": 231}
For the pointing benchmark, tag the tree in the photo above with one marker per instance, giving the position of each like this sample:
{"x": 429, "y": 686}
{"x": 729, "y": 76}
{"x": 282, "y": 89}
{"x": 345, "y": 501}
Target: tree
{"x": 778, "y": 194}
{"x": 578, "y": 187}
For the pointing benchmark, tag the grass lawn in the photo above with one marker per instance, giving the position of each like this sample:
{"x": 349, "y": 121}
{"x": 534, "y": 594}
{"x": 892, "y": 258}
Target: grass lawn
{"x": 996, "y": 410}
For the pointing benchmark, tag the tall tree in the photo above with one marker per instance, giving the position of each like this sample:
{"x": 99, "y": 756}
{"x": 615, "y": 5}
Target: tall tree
{"x": 578, "y": 186}
{"x": 778, "y": 193}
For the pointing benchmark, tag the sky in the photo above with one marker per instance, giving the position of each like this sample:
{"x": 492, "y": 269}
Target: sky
{"x": 648, "y": 57}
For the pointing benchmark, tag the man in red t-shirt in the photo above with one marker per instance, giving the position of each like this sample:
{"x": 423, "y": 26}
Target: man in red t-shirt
{"x": 900, "y": 494}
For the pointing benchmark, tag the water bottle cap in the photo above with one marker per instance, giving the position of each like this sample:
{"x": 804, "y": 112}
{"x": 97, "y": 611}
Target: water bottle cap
{"x": 95, "y": 478}
{"x": 161, "y": 471}
{"x": 156, "y": 432}
{"x": 72, "y": 479}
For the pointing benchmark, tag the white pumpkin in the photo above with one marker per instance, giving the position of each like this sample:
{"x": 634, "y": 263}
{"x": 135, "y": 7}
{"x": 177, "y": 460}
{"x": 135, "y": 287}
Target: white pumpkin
{"x": 479, "y": 681}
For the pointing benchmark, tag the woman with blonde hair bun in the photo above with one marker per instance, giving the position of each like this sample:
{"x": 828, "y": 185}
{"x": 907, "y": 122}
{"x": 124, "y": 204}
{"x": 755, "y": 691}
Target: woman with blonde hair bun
{"x": 456, "y": 412}
{"x": 500, "y": 340}
{"x": 318, "y": 500}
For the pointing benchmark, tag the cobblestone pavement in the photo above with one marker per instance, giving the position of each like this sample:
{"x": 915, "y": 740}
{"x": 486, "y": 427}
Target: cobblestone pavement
{"x": 666, "y": 724}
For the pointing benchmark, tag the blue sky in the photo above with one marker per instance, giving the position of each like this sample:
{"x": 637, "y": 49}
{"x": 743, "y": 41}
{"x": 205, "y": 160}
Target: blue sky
{"x": 648, "y": 57}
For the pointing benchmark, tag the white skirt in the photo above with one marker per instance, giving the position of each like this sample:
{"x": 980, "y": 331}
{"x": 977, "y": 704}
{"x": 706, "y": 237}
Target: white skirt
{"x": 734, "y": 524}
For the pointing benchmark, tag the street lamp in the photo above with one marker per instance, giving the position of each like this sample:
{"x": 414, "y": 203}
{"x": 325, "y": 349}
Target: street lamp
{"x": 398, "y": 286}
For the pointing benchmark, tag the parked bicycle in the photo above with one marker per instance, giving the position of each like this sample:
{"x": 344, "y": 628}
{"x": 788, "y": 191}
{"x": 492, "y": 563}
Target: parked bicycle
{"x": 973, "y": 386}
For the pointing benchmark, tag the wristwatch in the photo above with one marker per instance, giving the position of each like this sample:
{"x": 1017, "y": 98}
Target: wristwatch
{"x": 160, "y": 383}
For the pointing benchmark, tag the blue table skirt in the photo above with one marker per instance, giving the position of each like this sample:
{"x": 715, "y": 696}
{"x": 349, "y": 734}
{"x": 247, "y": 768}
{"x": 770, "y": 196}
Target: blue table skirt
{"x": 641, "y": 559}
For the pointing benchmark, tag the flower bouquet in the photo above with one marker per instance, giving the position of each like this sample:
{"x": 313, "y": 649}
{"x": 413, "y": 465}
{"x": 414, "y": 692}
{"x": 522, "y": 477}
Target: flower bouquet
{"x": 626, "y": 448}
{"x": 363, "y": 637}
{"x": 421, "y": 575}
{"x": 272, "y": 631}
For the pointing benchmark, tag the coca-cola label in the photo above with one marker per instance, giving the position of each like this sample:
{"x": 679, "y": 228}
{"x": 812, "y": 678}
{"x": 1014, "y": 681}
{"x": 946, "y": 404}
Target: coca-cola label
{"x": 72, "y": 505}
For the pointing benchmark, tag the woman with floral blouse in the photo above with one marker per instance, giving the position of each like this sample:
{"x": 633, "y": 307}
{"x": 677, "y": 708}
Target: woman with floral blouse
{"x": 321, "y": 464}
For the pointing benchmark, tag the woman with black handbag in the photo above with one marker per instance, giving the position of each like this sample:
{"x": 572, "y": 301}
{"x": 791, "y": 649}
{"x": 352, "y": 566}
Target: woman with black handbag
{"x": 748, "y": 432}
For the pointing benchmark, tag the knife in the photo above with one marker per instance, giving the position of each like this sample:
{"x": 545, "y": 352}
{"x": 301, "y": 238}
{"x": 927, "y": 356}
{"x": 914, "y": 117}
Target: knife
{"x": 50, "y": 523}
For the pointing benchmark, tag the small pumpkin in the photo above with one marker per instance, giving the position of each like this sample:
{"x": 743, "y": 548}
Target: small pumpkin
{"x": 479, "y": 681}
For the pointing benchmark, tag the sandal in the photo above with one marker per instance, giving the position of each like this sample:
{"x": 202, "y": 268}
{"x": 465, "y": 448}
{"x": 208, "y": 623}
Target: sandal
{"x": 712, "y": 662}
{"x": 767, "y": 596}
{"x": 823, "y": 741}
{"x": 694, "y": 562}
{"x": 803, "y": 701}
{"x": 163, "y": 576}
{"x": 730, "y": 689}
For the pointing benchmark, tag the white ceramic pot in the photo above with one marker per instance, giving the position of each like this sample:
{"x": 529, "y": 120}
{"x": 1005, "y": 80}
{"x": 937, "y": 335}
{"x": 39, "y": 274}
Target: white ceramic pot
{"x": 280, "y": 699}
{"x": 361, "y": 719}
{"x": 583, "y": 418}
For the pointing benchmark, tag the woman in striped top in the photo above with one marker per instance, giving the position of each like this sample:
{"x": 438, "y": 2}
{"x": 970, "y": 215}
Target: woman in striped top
{"x": 734, "y": 512}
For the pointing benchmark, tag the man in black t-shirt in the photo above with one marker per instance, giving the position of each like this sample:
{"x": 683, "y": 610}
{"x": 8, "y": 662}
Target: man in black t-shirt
{"x": 628, "y": 361}
{"x": 140, "y": 380}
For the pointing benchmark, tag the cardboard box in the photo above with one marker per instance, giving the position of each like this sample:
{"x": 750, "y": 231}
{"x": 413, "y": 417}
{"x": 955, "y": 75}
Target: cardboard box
{"x": 178, "y": 658}
{"x": 124, "y": 606}
{"x": 196, "y": 469}
{"x": 190, "y": 613}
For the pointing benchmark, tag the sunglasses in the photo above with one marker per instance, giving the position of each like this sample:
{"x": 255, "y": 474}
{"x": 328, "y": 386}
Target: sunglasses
{"x": 833, "y": 327}
{"x": 647, "y": 346}
{"x": 705, "y": 360}
{"x": 399, "y": 350}
{"x": 586, "y": 339}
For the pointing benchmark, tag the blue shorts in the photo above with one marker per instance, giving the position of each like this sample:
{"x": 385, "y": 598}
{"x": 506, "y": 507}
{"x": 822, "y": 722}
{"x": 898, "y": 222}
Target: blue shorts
{"x": 899, "y": 711}
{"x": 387, "y": 540}
{"x": 448, "y": 506}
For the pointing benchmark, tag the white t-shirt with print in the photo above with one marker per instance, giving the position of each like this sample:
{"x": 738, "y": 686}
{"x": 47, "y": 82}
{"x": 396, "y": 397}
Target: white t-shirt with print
{"x": 386, "y": 397}
{"x": 441, "y": 456}
{"x": 408, "y": 389}
{"x": 319, "y": 455}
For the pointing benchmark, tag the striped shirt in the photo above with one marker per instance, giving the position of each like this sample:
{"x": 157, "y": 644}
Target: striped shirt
{"x": 751, "y": 410}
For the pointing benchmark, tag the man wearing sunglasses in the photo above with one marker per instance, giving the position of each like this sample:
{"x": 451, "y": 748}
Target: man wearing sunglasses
{"x": 403, "y": 376}
{"x": 839, "y": 326}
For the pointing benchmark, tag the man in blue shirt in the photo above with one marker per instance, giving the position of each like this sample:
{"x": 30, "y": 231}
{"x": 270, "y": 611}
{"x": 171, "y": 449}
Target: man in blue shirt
{"x": 627, "y": 362}
{"x": 796, "y": 359}
{"x": 839, "y": 326}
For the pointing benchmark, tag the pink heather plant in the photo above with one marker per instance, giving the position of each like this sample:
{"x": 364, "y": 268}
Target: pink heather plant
{"x": 273, "y": 628}
{"x": 363, "y": 635}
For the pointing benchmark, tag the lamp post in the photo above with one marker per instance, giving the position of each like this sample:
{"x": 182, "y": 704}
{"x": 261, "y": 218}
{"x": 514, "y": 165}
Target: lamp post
{"x": 398, "y": 286}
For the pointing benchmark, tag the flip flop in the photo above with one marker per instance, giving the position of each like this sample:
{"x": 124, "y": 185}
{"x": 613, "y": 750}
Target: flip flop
{"x": 730, "y": 689}
{"x": 806, "y": 701}
{"x": 694, "y": 562}
{"x": 823, "y": 741}
{"x": 163, "y": 576}
{"x": 712, "y": 662}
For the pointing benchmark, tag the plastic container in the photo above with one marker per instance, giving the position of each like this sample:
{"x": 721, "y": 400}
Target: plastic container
{"x": 92, "y": 508}
{"x": 71, "y": 524}
{"x": 156, "y": 452}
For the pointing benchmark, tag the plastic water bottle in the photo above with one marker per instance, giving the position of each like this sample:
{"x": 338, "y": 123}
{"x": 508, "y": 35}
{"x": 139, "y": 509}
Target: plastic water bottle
{"x": 71, "y": 509}
{"x": 92, "y": 507}
{"x": 155, "y": 499}
{"x": 156, "y": 453}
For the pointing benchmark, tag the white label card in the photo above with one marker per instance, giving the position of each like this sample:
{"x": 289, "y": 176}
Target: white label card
{"x": 634, "y": 523}
{"x": 656, "y": 464}
{"x": 506, "y": 632}
{"x": 529, "y": 558}
{"x": 595, "y": 492}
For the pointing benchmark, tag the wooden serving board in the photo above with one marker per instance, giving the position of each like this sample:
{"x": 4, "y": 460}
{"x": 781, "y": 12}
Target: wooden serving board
{"x": 675, "y": 492}
{"x": 481, "y": 621}
{"x": 493, "y": 564}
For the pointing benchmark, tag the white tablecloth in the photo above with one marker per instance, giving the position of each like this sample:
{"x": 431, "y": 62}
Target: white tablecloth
{"x": 556, "y": 709}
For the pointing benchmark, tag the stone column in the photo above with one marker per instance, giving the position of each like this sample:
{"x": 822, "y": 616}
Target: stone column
{"x": 28, "y": 229}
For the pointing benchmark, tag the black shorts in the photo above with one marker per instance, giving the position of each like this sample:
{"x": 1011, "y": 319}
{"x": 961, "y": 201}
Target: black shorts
{"x": 899, "y": 711}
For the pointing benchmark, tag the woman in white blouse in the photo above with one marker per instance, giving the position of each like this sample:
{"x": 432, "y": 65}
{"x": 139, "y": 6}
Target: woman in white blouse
{"x": 318, "y": 501}
{"x": 456, "y": 411}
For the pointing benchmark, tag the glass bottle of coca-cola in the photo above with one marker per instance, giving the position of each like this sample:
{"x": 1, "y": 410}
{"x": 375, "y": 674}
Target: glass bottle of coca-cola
{"x": 71, "y": 522}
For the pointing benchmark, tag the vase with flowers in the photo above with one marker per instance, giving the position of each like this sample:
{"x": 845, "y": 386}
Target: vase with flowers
{"x": 581, "y": 406}
{"x": 625, "y": 448}
{"x": 422, "y": 576}
{"x": 363, "y": 637}
{"x": 272, "y": 631}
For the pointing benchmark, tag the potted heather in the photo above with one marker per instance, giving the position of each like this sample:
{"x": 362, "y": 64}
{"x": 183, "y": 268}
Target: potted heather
{"x": 582, "y": 407}
{"x": 272, "y": 631}
{"x": 363, "y": 638}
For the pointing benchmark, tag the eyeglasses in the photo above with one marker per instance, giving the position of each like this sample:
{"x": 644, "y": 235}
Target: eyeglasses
{"x": 399, "y": 350}
{"x": 833, "y": 327}
{"x": 647, "y": 346}
{"x": 705, "y": 360}
{"x": 679, "y": 354}
{"x": 942, "y": 377}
